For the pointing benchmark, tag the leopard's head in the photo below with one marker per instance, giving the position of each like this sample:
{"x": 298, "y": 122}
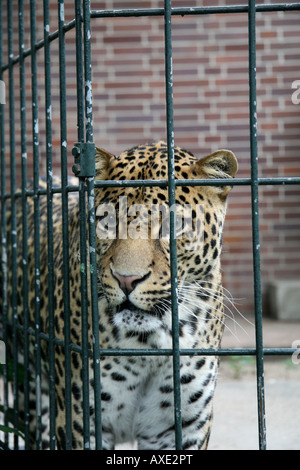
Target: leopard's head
{"x": 133, "y": 224}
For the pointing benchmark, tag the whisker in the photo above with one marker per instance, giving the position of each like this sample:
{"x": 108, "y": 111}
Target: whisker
{"x": 197, "y": 317}
{"x": 228, "y": 297}
{"x": 196, "y": 287}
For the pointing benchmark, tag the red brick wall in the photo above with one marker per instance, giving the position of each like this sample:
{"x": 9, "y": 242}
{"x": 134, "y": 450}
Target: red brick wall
{"x": 210, "y": 54}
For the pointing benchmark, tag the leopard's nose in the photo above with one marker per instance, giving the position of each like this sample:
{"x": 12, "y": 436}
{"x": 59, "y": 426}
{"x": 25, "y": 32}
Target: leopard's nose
{"x": 127, "y": 283}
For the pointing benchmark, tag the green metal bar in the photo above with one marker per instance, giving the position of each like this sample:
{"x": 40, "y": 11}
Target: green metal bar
{"x": 196, "y": 182}
{"x": 84, "y": 312}
{"x": 24, "y": 223}
{"x": 40, "y": 44}
{"x": 92, "y": 228}
{"x": 3, "y": 291}
{"x": 199, "y": 352}
{"x": 255, "y": 226}
{"x": 95, "y": 315}
{"x": 65, "y": 222}
{"x": 172, "y": 201}
{"x": 164, "y": 183}
{"x": 35, "y": 133}
{"x": 13, "y": 220}
{"x": 183, "y": 11}
{"x": 168, "y": 352}
{"x": 83, "y": 237}
{"x": 88, "y": 71}
{"x": 47, "y": 67}
{"x": 79, "y": 72}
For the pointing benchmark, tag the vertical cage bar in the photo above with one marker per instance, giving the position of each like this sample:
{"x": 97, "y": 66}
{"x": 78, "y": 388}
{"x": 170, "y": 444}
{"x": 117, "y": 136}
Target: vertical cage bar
{"x": 95, "y": 316}
{"x": 35, "y": 133}
{"x": 83, "y": 231}
{"x": 65, "y": 222}
{"x": 13, "y": 227}
{"x": 92, "y": 230}
{"x": 88, "y": 70}
{"x": 3, "y": 291}
{"x": 47, "y": 68}
{"x": 173, "y": 247}
{"x": 84, "y": 312}
{"x": 79, "y": 72}
{"x": 24, "y": 223}
{"x": 255, "y": 226}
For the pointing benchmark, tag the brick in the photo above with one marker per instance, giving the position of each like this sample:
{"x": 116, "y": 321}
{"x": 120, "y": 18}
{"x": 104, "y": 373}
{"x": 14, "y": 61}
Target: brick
{"x": 268, "y": 34}
{"x": 269, "y": 126}
{"x": 231, "y": 58}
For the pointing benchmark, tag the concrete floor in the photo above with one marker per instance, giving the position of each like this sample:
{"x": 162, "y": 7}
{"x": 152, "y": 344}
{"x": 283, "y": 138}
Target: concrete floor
{"x": 235, "y": 424}
{"x": 235, "y": 408}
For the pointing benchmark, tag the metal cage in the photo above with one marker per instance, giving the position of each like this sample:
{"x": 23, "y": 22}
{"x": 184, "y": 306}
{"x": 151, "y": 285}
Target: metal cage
{"x": 84, "y": 152}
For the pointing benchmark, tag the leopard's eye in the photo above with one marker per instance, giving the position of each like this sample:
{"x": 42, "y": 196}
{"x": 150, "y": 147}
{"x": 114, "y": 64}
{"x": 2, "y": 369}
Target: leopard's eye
{"x": 179, "y": 225}
{"x": 165, "y": 227}
{"x": 107, "y": 221}
{"x": 111, "y": 221}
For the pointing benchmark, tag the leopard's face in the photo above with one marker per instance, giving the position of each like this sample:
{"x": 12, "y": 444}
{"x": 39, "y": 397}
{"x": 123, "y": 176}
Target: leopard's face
{"x": 132, "y": 226}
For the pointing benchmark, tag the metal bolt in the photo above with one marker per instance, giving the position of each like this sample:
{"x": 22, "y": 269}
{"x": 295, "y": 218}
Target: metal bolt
{"x": 75, "y": 151}
{"x": 76, "y": 169}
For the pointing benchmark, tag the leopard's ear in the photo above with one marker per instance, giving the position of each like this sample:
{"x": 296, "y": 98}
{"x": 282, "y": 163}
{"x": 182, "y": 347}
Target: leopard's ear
{"x": 220, "y": 164}
{"x": 102, "y": 162}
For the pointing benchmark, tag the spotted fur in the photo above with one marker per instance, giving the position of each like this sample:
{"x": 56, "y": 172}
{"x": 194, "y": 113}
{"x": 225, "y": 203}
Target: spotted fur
{"x": 135, "y": 306}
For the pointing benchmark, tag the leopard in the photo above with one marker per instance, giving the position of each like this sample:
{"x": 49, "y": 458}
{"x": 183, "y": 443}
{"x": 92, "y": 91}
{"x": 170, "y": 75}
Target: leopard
{"x": 135, "y": 302}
